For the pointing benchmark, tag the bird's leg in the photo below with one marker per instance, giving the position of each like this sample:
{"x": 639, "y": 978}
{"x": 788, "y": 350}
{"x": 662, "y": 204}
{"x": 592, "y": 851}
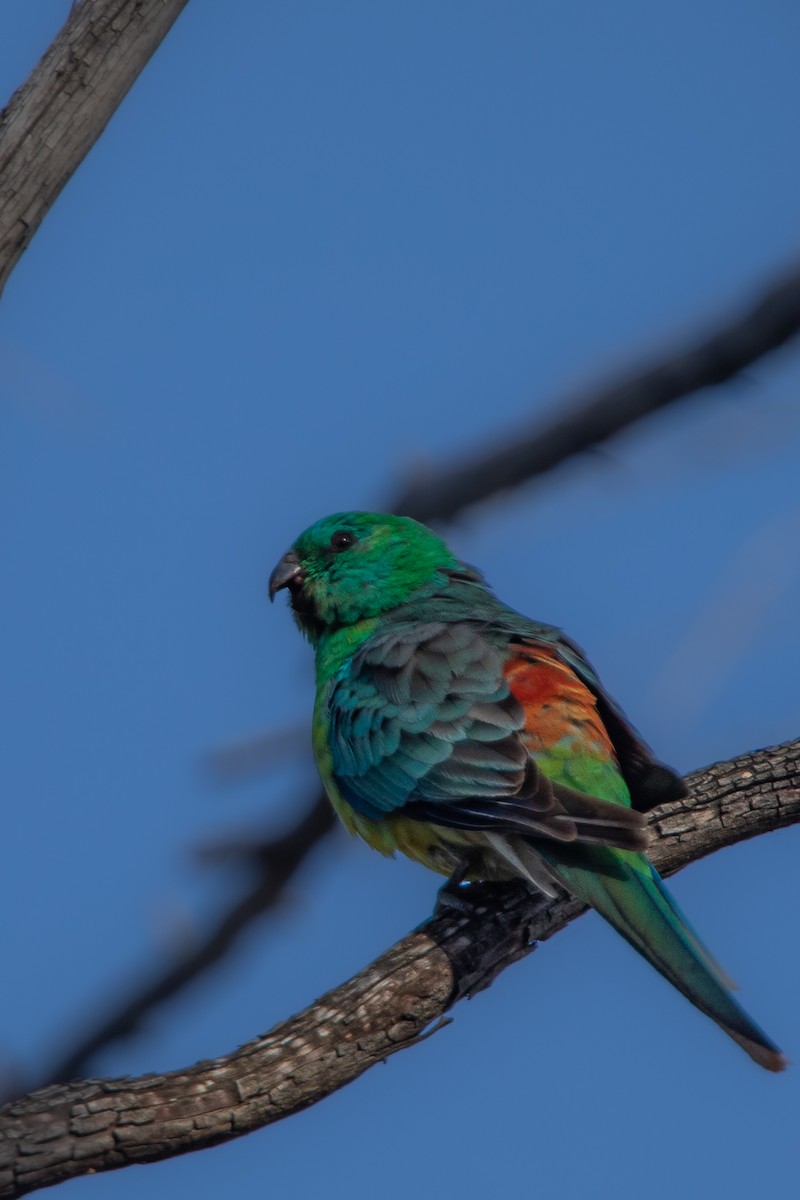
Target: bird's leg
{"x": 451, "y": 895}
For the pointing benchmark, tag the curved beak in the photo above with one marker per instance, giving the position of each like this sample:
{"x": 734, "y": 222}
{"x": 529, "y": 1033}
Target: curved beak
{"x": 287, "y": 574}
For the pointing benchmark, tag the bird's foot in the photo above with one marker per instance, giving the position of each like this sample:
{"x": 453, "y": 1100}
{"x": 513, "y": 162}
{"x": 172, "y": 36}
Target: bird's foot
{"x": 455, "y": 897}
{"x": 456, "y": 894}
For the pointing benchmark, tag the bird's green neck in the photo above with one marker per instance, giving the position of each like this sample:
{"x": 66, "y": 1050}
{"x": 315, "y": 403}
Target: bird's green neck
{"x": 335, "y": 645}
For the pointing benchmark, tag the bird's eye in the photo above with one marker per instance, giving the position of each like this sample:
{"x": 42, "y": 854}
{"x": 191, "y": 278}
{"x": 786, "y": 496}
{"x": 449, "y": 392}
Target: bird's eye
{"x": 342, "y": 539}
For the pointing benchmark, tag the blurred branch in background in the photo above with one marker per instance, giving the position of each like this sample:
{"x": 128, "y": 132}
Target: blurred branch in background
{"x": 272, "y": 864}
{"x": 581, "y": 424}
{"x": 51, "y": 123}
{"x": 729, "y": 625}
{"x": 586, "y": 421}
{"x": 251, "y": 755}
{"x": 77, "y": 1128}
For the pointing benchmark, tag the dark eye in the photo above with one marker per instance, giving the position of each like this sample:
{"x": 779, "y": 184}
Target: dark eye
{"x": 342, "y": 539}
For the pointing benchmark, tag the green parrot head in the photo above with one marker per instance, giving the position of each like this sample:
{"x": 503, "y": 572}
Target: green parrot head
{"x": 352, "y": 566}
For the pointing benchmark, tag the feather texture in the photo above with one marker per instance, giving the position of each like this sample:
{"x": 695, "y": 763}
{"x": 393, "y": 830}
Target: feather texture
{"x": 424, "y": 719}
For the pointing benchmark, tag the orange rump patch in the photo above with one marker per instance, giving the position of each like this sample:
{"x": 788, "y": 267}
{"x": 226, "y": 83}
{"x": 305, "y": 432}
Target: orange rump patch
{"x": 556, "y": 703}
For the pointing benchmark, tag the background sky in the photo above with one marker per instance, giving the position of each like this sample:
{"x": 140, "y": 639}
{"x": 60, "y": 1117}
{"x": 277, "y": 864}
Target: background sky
{"x": 321, "y": 247}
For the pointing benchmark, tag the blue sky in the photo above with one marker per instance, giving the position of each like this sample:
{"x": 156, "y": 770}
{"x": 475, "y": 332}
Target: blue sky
{"x": 321, "y": 247}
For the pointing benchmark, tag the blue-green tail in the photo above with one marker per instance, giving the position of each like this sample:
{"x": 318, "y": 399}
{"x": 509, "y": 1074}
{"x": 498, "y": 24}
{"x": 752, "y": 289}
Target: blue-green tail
{"x": 625, "y": 889}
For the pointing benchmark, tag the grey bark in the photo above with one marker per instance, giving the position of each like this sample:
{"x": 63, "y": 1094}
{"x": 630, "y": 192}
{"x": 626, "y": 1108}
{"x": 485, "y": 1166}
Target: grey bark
{"x": 53, "y": 120}
{"x": 77, "y": 1128}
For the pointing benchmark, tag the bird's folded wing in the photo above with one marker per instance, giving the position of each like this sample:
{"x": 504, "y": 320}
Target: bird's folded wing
{"x": 423, "y": 720}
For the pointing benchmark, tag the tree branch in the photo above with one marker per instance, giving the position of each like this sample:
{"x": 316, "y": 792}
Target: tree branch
{"x": 73, "y": 1129}
{"x": 54, "y": 119}
{"x": 583, "y": 423}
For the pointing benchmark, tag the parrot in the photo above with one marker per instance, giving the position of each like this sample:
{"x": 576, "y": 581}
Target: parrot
{"x": 481, "y": 744}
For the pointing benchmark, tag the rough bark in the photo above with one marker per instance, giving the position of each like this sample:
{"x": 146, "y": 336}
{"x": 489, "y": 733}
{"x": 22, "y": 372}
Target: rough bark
{"x": 53, "y": 120}
{"x": 74, "y": 1129}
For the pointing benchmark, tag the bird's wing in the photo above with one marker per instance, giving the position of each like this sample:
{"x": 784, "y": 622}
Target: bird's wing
{"x": 424, "y": 718}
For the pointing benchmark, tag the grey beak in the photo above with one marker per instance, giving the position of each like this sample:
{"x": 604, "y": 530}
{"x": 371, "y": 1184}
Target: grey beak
{"x": 288, "y": 573}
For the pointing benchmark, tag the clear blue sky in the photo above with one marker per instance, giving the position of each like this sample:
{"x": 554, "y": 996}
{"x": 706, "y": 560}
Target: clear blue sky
{"x": 321, "y": 246}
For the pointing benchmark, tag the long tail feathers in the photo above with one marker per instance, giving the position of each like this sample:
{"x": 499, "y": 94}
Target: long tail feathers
{"x": 629, "y": 893}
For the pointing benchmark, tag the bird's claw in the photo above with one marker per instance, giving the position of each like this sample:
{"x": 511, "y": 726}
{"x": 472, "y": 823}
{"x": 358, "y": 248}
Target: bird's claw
{"x": 454, "y": 898}
{"x": 456, "y": 895}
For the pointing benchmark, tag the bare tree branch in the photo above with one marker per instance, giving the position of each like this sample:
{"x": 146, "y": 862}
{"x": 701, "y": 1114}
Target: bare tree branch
{"x": 54, "y": 119}
{"x": 72, "y": 1129}
{"x": 586, "y": 421}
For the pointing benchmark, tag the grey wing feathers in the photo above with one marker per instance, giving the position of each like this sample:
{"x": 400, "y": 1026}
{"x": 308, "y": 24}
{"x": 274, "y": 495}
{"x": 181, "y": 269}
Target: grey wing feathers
{"x": 423, "y": 720}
